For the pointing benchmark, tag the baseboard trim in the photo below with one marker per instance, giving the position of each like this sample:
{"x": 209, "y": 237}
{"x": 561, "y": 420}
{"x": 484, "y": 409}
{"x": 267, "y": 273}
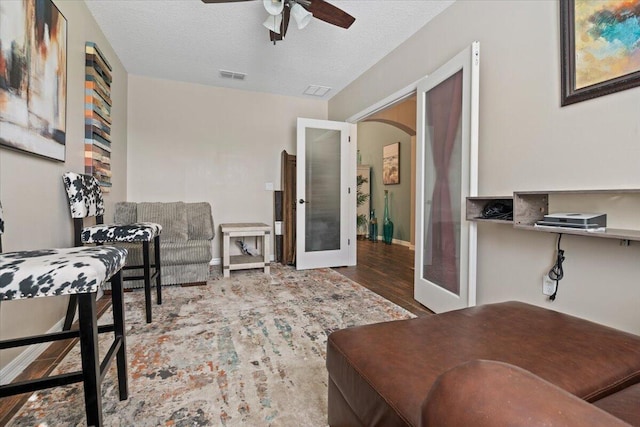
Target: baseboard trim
{"x": 28, "y": 356}
{"x": 395, "y": 242}
{"x": 401, "y": 242}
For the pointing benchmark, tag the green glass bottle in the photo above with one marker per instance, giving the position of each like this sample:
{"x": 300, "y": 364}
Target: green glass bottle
{"x": 387, "y": 225}
{"x": 373, "y": 227}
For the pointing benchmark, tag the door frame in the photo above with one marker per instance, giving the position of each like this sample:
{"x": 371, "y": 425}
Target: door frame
{"x": 401, "y": 95}
{"x": 395, "y": 98}
{"x": 389, "y": 102}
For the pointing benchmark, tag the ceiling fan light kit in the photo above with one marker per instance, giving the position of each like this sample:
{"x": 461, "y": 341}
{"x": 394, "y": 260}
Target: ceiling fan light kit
{"x": 301, "y": 15}
{"x": 273, "y": 22}
{"x": 302, "y": 10}
{"x": 273, "y": 7}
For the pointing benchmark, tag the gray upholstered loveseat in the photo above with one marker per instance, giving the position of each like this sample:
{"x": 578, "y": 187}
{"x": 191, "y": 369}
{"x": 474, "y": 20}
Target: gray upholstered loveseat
{"x": 185, "y": 242}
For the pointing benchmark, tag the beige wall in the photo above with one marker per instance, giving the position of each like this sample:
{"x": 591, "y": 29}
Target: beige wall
{"x": 372, "y": 137}
{"x": 197, "y": 143}
{"x": 528, "y": 142}
{"x": 35, "y": 206}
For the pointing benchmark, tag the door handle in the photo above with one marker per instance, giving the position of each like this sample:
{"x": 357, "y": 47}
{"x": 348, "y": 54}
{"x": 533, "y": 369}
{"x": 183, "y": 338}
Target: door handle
{"x": 302, "y": 201}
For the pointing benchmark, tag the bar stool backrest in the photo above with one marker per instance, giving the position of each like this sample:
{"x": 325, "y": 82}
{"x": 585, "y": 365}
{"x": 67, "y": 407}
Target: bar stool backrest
{"x": 84, "y": 194}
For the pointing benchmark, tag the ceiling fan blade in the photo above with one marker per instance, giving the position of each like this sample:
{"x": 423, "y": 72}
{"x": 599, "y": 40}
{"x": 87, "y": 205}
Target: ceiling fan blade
{"x": 286, "y": 14}
{"x": 329, "y": 13}
{"x": 222, "y": 1}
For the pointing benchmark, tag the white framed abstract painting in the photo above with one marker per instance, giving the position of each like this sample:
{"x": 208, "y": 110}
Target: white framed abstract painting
{"x": 33, "y": 78}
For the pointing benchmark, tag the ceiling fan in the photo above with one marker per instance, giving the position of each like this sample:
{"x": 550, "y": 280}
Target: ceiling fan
{"x": 302, "y": 11}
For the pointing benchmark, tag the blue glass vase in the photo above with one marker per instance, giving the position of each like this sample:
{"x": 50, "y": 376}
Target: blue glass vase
{"x": 387, "y": 225}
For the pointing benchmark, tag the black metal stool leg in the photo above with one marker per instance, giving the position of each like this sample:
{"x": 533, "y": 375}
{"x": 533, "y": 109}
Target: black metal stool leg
{"x": 117, "y": 302}
{"x": 71, "y": 312}
{"x": 90, "y": 358}
{"x": 156, "y": 248}
{"x": 147, "y": 279}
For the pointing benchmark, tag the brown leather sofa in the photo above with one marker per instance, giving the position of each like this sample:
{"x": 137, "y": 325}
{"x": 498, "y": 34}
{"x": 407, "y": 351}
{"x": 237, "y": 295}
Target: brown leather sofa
{"x": 441, "y": 370}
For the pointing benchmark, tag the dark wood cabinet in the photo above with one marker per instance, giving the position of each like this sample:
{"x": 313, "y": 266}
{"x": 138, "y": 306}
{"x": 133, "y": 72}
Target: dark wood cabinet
{"x": 288, "y": 186}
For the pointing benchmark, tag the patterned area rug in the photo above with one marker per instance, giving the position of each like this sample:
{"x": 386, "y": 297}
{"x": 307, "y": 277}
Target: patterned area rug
{"x": 248, "y": 350}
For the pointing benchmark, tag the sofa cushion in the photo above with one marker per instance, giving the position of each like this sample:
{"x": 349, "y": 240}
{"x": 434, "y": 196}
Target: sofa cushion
{"x": 200, "y": 221}
{"x": 173, "y": 253}
{"x": 624, "y": 404}
{"x": 125, "y": 213}
{"x": 396, "y": 363}
{"x": 190, "y": 252}
{"x": 172, "y": 217}
{"x": 483, "y": 393}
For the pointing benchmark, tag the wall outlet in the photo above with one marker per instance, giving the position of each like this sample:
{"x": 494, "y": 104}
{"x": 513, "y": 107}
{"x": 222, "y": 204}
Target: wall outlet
{"x": 268, "y": 186}
{"x": 548, "y": 285}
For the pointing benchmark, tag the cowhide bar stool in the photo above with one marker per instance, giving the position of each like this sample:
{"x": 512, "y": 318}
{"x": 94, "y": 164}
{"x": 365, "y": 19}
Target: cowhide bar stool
{"x": 71, "y": 271}
{"x": 85, "y": 200}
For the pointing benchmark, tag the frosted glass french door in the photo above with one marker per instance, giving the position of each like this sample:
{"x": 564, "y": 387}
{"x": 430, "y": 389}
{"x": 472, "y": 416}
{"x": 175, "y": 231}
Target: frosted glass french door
{"x": 325, "y": 214}
{"x": 445, "y": 266}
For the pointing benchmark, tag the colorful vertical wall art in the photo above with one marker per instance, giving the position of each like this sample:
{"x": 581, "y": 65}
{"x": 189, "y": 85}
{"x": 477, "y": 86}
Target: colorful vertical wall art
{"x": 97, "y": 116}
{"x": 33, "y": 78}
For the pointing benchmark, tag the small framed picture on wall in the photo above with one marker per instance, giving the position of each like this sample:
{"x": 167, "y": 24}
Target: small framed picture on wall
{"x": 391, "y": 164}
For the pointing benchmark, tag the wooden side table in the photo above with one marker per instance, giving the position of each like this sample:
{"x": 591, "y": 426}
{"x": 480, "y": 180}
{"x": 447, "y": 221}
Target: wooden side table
{"x": 240, "y": 262}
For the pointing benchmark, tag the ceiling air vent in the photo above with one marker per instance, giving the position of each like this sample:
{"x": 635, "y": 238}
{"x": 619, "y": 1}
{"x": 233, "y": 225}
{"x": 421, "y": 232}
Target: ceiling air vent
{"x": 226, "y": 74}
{"x": 315, "y": 90}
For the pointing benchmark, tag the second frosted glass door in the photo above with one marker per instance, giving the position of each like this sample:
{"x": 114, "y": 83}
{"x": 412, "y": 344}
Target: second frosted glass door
{"x": 324, "y": 199}
{"x": 322, "y": 179}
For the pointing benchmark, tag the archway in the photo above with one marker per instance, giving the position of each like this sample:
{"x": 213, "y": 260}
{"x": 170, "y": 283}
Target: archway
{"x": 403, "y": 117}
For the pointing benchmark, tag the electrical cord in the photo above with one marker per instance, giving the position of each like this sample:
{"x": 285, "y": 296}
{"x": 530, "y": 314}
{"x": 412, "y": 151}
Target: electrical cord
{"x": 505, "y": 216}
{"x": 557, "y": 273}
{"x": 498, "y": 210}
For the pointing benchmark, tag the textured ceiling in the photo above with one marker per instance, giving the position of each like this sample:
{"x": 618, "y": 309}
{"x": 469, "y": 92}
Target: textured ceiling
{"x": 187, "y": 40}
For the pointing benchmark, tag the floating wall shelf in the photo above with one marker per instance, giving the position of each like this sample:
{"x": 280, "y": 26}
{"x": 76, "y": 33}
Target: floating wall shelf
{"x": 531, "y": 206}
{"x": 475, "y": 206}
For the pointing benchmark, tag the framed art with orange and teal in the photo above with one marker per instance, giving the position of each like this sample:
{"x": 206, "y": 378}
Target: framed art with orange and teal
{"x": 600, "y": 47}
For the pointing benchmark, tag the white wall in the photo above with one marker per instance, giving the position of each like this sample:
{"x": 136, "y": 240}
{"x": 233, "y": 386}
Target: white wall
{"x": 197, "y": 143}
{"x": 33, "y": 199}
{"x": 527, "y": 142}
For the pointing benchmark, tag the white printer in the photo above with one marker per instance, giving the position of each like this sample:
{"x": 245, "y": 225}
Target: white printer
{"x": 575, "y": 220}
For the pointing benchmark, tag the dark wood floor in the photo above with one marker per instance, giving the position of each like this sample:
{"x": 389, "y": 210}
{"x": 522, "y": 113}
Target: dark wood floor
{"x": 384, "y": 269}
{"x": 388, "y": 271}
